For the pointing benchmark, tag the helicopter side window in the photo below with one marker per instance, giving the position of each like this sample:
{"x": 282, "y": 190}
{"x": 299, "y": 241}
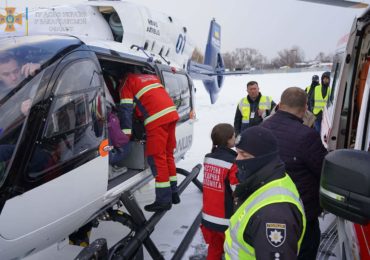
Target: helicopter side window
{"x": 177, "y": 85}
{"x": 75, "y": 124}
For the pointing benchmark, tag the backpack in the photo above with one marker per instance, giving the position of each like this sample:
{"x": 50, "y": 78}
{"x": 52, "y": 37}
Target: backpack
{"x": 116, "y": 136}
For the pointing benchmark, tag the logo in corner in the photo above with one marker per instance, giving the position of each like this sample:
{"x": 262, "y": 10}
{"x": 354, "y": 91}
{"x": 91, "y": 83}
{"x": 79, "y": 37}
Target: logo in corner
{"x": 276, "y": 233}
{"x": 10, "y": 19}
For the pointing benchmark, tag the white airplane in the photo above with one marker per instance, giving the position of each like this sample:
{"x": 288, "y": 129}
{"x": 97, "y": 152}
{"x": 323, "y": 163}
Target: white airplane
{"x": 345, "y": 131}
{"x": 55, "y": 175}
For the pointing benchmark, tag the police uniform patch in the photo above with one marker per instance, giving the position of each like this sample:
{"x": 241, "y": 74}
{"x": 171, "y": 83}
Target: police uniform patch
{"x": 276, "y": 233}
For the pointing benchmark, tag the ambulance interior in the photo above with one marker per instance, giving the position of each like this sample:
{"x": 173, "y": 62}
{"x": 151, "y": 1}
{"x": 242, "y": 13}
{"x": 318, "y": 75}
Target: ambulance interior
{"x": 353, "y": 95}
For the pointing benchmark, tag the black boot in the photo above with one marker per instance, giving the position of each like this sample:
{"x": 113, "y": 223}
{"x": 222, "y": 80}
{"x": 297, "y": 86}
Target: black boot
{"x": 156, "y": 206}
{"x": 175, "y": 198}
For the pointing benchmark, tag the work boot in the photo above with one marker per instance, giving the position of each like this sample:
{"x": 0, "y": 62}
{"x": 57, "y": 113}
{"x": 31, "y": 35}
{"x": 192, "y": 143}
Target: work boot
{"x": 175, "y": 198}
{"x": 156, "y": 206}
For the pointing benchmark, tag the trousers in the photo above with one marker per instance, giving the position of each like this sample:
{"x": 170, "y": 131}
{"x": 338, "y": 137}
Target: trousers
{"x": 160, "y": 146}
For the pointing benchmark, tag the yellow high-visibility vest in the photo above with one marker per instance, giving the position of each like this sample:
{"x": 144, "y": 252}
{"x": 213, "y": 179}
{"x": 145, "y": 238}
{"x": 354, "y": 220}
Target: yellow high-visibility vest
{"x": 245, "y": 107}
{"x": 320, "y": 101}
{"x": 277, "y": 191}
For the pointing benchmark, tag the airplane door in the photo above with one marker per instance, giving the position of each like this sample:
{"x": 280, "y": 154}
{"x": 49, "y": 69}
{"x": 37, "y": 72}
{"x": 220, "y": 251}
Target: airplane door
{"x": 62, "y": 196}
{"x": 179, "y": 86}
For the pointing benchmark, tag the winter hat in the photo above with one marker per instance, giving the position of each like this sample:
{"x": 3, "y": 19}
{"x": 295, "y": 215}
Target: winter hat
{"x": 315, "y": 78}
{"x": 326, "y": 74}
{"x": 257, "y": 141}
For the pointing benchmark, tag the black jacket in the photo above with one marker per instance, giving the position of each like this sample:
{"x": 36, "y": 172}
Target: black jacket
{"x": 310, "y": 96}
{"x": 257, "y": 233}
{"x": 301, "y": 149}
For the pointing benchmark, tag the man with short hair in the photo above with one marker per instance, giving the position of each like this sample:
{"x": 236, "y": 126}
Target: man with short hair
{"x": 12, "y": 73}
{"x": 252, "y": 109}
{"x": 302, "y": 151}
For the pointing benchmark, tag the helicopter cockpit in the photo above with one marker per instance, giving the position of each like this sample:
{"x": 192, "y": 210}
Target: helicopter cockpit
{"x": 24, "y": 77}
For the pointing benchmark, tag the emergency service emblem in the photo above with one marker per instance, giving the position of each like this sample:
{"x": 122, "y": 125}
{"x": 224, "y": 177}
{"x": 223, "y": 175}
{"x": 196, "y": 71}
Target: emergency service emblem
{"x": 276, "y": 233}
{"x": 10, "y": 19}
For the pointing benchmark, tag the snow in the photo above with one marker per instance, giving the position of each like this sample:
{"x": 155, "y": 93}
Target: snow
{"x": 171, "y": 229}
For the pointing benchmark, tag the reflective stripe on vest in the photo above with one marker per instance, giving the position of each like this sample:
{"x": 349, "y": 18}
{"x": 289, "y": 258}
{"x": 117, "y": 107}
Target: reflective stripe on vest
{"x": 127, "y": 101}
{"x": 216, "y": 220}
{"x": 159, "y": 114}
{"x": 165, "y": 184}
{"x": 245, "y": 107}
{"x": 278, "y": 191}
{"x": 218, "y": 162}
{"x": 320, "y": 101}
{"x": 146, "y": 89}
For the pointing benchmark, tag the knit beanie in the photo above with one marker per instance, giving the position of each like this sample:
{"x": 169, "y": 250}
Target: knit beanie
{"x": 257, "y": 141}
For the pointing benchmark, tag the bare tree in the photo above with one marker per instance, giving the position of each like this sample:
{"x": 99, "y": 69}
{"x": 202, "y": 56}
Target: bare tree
{"x": 289, "y": 57}
{"x": 243, "y": 58}
{"x": 322, "y": 57}
{"x": 197, "y": 56}
{"x": 229, "y": 60}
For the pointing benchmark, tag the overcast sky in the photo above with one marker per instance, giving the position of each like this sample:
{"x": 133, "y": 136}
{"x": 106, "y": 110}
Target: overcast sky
{"x": 266, "y": 25}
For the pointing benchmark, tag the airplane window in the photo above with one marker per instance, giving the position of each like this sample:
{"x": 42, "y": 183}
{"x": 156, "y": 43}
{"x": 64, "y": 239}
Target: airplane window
{"x": 177, "y": 85}
{"x": 75, "y": 124}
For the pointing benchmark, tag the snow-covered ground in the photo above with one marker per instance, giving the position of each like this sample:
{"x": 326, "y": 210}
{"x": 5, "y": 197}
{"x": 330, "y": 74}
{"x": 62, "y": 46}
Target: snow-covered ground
{"x": 171, "y": 229}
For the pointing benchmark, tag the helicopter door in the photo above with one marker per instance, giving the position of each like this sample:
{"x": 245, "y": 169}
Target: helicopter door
{"x": 179, "y": 86}
{"x": 68, "y": 190}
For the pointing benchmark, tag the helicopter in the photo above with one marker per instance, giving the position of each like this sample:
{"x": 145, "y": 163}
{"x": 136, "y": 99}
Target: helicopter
{"x": 55, "y": 155}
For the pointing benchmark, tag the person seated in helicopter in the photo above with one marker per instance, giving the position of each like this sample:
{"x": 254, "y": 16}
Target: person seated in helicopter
{"x": 12, "y": 72}
{"x": 118, "y": 139}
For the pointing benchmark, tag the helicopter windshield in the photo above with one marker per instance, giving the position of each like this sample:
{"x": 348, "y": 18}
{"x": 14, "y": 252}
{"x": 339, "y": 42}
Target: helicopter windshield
{"x": 21, "y": 69}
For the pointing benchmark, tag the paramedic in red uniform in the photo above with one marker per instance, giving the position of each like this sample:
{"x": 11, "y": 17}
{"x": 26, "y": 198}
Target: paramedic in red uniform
{"x": 145, "y": 96}
{"x": 219, "y": 174}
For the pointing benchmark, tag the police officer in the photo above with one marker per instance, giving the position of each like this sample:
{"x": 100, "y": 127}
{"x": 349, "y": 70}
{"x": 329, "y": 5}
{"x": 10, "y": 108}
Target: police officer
{"x": 252, "y": 109}
{"x": 270, "y": 221}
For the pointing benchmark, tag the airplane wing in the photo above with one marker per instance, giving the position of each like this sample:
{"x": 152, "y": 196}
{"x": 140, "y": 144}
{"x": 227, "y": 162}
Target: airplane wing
{"x": 342, "y": 3}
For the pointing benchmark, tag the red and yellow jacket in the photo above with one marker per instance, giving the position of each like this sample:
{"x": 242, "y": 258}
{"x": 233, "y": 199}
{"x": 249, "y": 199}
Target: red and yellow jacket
{"x": 219, "y": 174}
{"x": 144, "y": 95}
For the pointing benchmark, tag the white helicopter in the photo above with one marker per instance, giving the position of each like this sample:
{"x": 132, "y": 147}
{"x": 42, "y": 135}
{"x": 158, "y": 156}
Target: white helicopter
{"x": 345, "y": 131}
{"x": 55, "y": 175}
